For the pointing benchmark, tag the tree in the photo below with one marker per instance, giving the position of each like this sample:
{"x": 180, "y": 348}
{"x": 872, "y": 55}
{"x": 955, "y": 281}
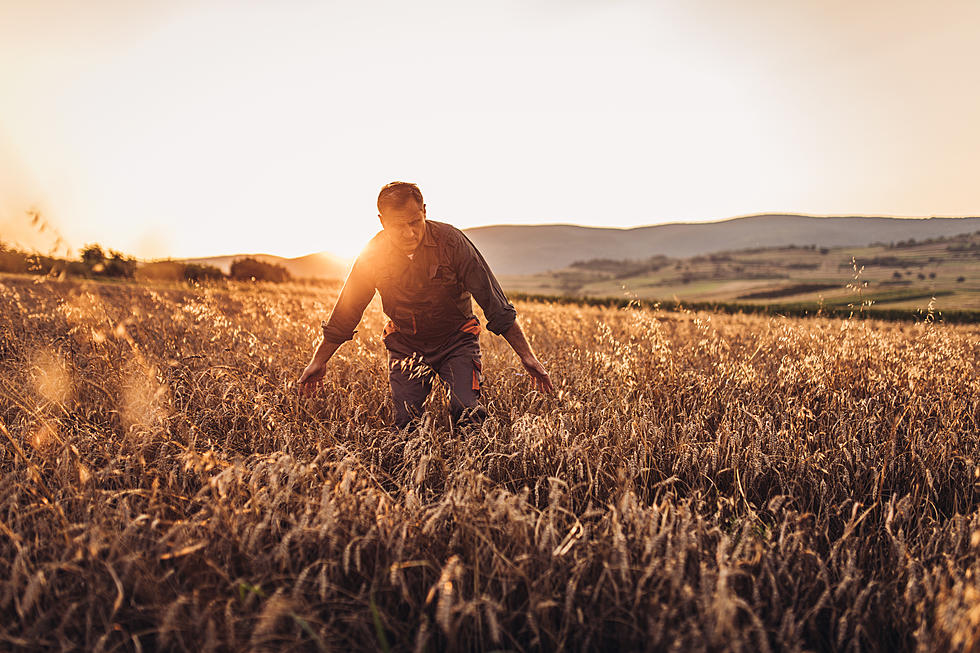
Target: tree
{"x": 92, "y": 255}
{"x": 12, "y": 260}
{"x": 250, "y": 269}
{"x": 199, "y": 272}
{"x": 120, "y": 266}
{"x": 114, "y": 264}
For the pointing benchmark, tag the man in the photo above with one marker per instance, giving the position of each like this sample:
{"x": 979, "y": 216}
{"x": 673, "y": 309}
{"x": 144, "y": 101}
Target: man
{"x": 426, "y": 272}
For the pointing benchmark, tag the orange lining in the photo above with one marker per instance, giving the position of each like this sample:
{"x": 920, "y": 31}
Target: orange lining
{"x": 477, "y": 368}
{"x": 471, "y": 326}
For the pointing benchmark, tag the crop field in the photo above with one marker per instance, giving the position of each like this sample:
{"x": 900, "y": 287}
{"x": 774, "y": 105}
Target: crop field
{"x": 697, "y": 482}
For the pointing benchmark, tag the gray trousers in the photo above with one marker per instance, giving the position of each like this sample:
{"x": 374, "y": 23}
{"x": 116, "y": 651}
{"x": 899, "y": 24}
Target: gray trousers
{"x": 457, "y": 363}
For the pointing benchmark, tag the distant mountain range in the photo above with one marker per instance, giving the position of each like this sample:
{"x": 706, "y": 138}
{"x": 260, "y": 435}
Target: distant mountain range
{"x": 529, "y": 249}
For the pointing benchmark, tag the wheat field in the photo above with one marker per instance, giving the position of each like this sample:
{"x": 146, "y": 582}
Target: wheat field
{"x": 698, "y": 482}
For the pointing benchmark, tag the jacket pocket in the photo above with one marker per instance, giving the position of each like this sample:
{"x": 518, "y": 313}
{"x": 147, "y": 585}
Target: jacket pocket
{"x": 404, "y": 319}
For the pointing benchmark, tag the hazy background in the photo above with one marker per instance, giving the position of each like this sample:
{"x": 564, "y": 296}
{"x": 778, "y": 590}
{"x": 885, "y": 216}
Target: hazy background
{"x": 192, "y": 129}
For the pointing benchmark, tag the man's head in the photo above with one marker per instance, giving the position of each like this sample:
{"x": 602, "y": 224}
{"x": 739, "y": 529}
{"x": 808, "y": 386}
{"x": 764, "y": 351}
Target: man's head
{"x": 402, "y": 214}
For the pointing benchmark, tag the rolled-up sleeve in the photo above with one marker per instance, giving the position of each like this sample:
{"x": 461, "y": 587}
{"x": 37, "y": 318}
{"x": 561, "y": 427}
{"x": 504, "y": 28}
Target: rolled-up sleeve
{"x": 477, "y": 278}
{"x": 354, "y": 297}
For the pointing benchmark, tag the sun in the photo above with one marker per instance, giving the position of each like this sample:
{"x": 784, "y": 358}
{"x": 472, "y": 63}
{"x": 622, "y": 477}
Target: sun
{"x": 349, "y": 239}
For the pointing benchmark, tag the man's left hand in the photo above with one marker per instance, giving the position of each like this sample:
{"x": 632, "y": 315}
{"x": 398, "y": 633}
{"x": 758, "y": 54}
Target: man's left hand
{"x": 541, "y": 379}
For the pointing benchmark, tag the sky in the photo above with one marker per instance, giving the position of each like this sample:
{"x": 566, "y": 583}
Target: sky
{"x": 202, "y": 128}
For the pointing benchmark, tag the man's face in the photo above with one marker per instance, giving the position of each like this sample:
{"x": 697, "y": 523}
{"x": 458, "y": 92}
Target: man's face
{"x": 405, "y": 225}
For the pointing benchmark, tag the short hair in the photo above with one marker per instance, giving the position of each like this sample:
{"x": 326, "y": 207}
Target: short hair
{"x": 398, "y": 193}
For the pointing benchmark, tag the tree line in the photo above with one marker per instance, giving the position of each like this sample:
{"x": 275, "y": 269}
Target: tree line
{"x": 96, "y": 262}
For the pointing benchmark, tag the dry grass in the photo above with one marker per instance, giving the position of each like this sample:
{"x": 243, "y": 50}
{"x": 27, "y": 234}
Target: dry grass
{"x": 699, "y": 483}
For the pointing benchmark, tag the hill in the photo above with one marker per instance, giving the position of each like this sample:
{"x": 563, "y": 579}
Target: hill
{"x": 906, "y": 274}
{"x": 528, "y": 249}
{"x": 320, "y": 265}
{"x": 533, "y": 249}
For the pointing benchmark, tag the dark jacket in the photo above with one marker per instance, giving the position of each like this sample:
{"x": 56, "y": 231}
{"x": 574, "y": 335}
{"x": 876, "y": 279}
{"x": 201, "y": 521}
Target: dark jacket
{"x": 427, "y": 297}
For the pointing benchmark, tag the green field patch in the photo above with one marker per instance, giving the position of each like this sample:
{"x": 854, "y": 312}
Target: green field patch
{"x": 787, "y": 291}
{"x": 852, "y": 309}
{"x": 887, "y": 297}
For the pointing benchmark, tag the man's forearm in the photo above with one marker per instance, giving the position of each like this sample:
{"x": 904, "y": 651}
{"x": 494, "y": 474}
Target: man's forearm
{"x": 515, "y": 338}
{"x": 325, "y": 350}
{"x": 520, "y": 345}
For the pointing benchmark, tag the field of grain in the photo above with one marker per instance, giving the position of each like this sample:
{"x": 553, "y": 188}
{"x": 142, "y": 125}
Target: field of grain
{"x": 698, "y": 482}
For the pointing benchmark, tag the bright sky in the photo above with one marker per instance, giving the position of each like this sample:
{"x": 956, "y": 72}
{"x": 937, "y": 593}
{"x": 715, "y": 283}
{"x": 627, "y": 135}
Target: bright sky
{"x": 204, "y": 128}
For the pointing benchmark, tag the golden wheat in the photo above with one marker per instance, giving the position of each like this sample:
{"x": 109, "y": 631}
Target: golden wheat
{"x": 697, "y": 482}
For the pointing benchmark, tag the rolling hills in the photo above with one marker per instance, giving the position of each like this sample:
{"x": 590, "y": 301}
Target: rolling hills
{"x": 534, "y": 249}
{"x": 513, "y": 249}
{"x": 943, "y": 272}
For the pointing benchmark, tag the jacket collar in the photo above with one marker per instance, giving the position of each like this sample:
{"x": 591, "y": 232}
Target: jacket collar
{"x": 428, "y": 238}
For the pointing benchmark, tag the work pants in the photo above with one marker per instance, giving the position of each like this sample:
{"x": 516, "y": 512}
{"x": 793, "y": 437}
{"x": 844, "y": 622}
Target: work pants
{"x": 457, "y": 362}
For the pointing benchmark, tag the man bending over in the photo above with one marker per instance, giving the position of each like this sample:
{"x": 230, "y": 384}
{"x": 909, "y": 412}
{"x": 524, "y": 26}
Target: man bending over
{"x": 426, "y": 272}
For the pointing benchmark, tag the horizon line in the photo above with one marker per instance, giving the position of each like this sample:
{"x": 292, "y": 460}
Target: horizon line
{"x": 729, "y": 219}
{"x": 581, "y": 226}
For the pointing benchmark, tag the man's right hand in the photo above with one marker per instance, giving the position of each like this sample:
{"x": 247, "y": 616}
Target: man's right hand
{"x": 311, "y": 377}
{"x": 313, "y": 374}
